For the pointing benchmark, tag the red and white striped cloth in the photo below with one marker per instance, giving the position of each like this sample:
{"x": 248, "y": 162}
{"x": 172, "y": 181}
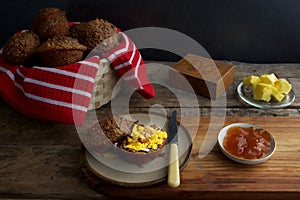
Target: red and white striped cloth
{"x": 127, "y": 61}
{"x": 62, "y": 94}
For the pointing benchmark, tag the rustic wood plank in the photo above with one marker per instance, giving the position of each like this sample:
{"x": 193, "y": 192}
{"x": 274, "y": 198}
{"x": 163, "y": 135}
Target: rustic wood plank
{"x": 18, "y": 129}
{"x": 40, "y": 171}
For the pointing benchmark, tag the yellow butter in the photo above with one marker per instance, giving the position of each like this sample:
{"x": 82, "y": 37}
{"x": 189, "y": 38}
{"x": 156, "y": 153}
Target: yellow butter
{"x": 276, "y": 94}
{"x": 283, "y": 86}
{"x": 268, "y": 78}
{"x": 268, "y": 86}
{"x": 263, "y": 92}
{"x": 251, "y": 81}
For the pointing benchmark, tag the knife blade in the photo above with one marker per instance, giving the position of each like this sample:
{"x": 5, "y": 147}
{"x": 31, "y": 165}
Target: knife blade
{"x": 173, "y": 168}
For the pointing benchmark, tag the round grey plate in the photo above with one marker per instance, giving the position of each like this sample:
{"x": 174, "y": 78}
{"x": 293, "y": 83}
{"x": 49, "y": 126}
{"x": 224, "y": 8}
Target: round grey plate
{"x": 121, "y": 172}
{"x": 246, "y": 94}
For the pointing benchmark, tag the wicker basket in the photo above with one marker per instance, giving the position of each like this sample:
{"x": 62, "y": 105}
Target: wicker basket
{"x": 104, "y": 86}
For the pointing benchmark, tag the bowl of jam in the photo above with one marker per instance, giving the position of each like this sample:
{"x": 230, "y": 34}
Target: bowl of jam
{"x": 246, "y": 143}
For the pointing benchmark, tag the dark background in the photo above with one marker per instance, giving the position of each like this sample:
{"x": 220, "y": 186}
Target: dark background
{"x": 264, "y": 31}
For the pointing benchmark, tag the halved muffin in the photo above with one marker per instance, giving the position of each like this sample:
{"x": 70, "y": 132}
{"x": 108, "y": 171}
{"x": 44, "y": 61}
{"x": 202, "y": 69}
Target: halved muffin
{"x": 107, "y": 133}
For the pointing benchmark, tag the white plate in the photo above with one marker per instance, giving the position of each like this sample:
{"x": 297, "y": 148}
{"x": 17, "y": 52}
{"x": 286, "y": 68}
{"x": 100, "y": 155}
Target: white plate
{"x": 246, "y": 94}
{"x": 121, "y": 172}
{"x": 222, "y": 135}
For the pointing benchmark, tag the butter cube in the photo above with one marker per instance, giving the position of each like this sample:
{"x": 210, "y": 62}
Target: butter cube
{"x": 268, "y": 78}
{"x": 263, "y": 92}
{"x": 283, "y": 86}
{"x": 268, "y": 86}
{"x": 251, "y": 81}
{"x": 276, "y": 94}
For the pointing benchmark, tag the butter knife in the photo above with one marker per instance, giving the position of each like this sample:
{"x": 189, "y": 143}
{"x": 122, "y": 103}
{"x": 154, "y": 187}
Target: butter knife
{"x": 173, "y": 168}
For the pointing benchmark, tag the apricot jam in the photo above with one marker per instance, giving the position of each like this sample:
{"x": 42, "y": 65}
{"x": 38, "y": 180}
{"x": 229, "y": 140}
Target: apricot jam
{"x": 247, "y": 143}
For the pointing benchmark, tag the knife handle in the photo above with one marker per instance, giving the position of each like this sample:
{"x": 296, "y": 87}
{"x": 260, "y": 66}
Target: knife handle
{"x": 173, "y": 169}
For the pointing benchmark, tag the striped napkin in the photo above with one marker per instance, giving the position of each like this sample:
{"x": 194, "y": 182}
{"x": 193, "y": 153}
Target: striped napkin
{"x": 63, "y": 94}
{"x": 127, "y": 60}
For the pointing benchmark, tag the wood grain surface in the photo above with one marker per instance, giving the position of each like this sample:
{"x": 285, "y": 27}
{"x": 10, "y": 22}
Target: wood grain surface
{"x": 41, "y": 160}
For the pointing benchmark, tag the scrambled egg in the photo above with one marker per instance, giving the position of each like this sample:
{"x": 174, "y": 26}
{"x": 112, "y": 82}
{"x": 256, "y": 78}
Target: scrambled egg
{"x": 144, "y": 138}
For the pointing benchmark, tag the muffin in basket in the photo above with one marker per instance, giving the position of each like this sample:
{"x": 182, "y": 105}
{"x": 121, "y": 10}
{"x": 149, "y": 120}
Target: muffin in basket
{"x": 49, "y": 22}
{"x": 20, "y": 48}
{"x": 59, "y": 51}
{"x": 96, "y": 33}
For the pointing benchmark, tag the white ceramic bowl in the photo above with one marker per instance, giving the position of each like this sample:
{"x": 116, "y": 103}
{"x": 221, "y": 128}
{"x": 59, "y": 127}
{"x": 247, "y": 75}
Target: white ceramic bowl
{"x": 222, "y": 135}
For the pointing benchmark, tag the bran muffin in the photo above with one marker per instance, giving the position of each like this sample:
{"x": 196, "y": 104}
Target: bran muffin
{"x": 116, "y": 128}
{"x": 77, "y": 30}
{"x": 59, "y": 51}
{"x": 95, "y": 140}
{"x": 50, "y": 22}
{"x": 20, "y": 48}
{"x": 97, "y": 33}
{"x": 106, "y": 133}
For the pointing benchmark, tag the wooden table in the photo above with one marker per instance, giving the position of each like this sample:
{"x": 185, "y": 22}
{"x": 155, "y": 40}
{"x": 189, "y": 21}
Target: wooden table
{"x": 41, "y": 160}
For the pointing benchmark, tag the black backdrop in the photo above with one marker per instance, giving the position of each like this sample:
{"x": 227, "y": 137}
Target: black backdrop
{"x": 243, "y": 30}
